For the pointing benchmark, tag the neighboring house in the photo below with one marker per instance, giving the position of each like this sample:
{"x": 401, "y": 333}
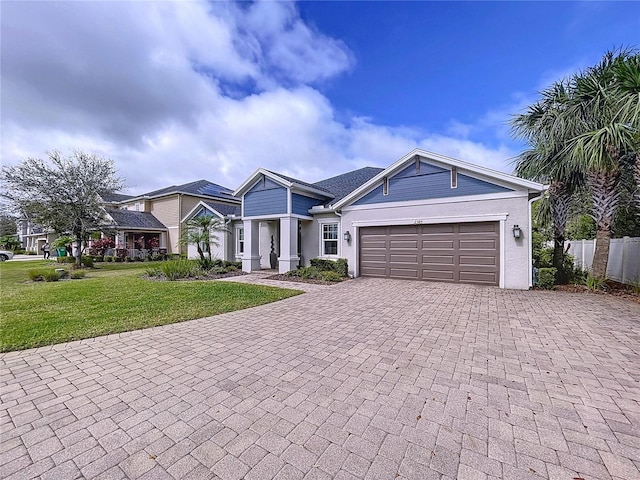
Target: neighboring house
{"x": 147, "y": 221}
{"x": 172, "y": 204}
{"x": 426, "y": 217}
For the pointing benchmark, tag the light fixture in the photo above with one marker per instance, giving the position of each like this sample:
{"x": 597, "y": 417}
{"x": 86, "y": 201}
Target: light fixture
{"x": 347, "y": 236}
{"x": 517, "y": 232}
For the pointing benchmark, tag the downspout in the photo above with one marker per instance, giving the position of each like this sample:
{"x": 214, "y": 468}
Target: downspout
{"x": 530, "y": 242}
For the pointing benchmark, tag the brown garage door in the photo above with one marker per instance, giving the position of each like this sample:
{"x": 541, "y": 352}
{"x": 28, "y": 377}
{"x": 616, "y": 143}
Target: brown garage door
{"x": 450, "y": 252}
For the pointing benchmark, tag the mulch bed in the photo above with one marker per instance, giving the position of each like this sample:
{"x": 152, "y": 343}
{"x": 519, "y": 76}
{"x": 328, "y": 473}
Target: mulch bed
{"x": 610, "y": 287}
{"x": 287, "y": 278}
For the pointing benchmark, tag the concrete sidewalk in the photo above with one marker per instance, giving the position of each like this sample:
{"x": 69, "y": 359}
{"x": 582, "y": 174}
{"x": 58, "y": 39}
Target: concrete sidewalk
{"x": 375, "y": 379}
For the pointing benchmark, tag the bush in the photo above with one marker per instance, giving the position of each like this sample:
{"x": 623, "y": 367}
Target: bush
{"x": 594, "y": 283}
{"x": 66, "y": 259}
{"x": 76, "y": 274}
{"x": 323, "y": 264}
{"x": 44, "y": 275}
{"x": 176, "y": 269}
{"x": 309, "y": 272}
{"x": 547, "y": 277}
{"x": 340, "y": 266}
{"x": 329, "y": 276}
{"x": 87, "y": 261}
{"x": 108, "y": 258}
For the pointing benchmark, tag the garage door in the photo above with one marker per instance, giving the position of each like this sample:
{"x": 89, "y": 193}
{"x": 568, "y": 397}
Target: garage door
{"x": 452, "y": 252}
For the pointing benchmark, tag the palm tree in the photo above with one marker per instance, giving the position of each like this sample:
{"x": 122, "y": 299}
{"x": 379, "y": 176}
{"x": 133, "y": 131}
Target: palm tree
{"x": 582, "y": 130}
{"x": 543, "y": 127}
{"x": 603, "y": 113}
{"x": 201, "y": 231}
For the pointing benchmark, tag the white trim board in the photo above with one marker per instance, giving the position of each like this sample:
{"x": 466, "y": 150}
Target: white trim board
{"x": 498, "y": 217}
{"x": 434, "y": 201}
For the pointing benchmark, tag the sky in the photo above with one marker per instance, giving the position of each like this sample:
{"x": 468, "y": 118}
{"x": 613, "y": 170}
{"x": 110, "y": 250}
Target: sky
{"x": 175, "y": 92}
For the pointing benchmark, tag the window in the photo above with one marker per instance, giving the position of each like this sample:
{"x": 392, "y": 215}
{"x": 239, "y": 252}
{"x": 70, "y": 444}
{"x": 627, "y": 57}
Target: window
{"x": 330, "y": 239}
{"x": 239, "y": 240}
{"x": 454, "y": 177}
{"x": 385, "y": 186}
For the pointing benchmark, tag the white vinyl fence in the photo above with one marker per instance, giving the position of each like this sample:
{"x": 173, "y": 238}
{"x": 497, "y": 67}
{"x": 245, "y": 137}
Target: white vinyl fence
{"x": 624, "y": 257}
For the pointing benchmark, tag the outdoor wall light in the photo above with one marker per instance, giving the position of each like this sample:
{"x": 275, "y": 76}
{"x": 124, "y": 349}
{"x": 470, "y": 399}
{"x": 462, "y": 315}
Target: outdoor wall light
{"x": 517, "y": 232}
{"x": 347, "y": 236}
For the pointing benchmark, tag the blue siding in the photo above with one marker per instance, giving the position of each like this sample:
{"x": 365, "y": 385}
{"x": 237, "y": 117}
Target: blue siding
{"x": 425, "y": 169}
{"x": 301, "y": 204}
{"x": 265, "y": 202}
{"x": 424, "y": 187}
{"x": 265, "y": 184}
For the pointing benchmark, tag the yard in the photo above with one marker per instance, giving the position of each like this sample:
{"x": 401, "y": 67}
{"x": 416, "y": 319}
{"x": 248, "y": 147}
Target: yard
{"x": 110, "y": 299}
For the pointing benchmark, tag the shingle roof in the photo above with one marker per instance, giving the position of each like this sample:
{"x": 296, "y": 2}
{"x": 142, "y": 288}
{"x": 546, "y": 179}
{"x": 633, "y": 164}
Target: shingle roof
{"x": 300, "y": 182}
{"x": 199, "y": 187}
{"x": 132, "y": 219}
{"x": 224, "y": 209}
{"x": 115, "y": 197}
{"x": 342, "y": 185}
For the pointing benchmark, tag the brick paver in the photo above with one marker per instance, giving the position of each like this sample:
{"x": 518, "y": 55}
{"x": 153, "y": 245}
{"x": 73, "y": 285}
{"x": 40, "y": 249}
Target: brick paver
{"x": 366, "y": 379}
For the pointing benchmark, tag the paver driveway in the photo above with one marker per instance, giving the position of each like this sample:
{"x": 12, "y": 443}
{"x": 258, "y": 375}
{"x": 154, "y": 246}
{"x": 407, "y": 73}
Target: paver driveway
{"x": 375, "y": 379}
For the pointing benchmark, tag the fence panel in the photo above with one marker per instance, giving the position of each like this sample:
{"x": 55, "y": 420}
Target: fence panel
{"x": 624, "y": 257}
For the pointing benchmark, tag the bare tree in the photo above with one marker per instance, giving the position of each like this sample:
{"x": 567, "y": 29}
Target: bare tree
{"x": 63, "y": 193}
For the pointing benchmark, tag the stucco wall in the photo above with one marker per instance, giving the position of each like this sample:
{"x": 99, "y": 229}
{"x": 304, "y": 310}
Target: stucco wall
{"x": 516, "y": 254}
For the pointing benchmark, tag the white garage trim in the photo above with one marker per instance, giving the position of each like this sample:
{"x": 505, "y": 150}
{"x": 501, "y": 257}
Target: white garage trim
{"x": 498, "y": 217}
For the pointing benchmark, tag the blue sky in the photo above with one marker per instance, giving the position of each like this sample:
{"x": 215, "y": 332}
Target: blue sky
{"x": 181, "y": 91}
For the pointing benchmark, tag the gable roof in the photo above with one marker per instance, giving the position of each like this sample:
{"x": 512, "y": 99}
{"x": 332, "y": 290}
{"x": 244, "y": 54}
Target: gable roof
{"x": 437, "y": 159}
{"x": 223, "y": 209}
{"x": 284, "y": 180}
{"x": 342, "y": 185}
{"x": 134, "y": 220}
{"x": 198, "y": 188}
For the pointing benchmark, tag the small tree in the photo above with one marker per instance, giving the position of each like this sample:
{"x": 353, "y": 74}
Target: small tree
{"x": 63, "y": 193}
{"x": 201, "y": 231}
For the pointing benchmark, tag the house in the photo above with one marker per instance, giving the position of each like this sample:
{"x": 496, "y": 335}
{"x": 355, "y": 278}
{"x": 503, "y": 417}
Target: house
{"x": 169, "y": 206}
{"x": 425, "y": 217}
{"x": 147, "y": 221}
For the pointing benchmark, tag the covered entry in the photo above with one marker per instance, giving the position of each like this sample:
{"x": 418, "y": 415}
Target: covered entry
{"x": 448, "y": 252}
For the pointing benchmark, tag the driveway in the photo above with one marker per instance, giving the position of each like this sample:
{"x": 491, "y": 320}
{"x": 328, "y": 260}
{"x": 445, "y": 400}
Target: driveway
{"x": 376, "y": 379}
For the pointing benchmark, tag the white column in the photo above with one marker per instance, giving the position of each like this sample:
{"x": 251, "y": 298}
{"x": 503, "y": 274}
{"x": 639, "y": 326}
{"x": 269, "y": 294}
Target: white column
{"x": 289, "y": 258}
{"x": 251, "y": 258}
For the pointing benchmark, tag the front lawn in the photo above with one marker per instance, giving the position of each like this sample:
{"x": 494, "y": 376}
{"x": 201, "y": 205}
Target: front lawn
{"x": 110, "y": 299}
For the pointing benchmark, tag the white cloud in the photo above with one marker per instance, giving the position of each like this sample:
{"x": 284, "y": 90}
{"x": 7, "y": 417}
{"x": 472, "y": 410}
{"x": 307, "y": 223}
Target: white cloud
{"x": 153, "y": 93}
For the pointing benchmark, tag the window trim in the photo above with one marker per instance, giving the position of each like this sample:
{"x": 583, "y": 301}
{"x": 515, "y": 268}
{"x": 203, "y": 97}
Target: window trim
{"x": 322, "y": 253}
{"x": 454, "y": 177}
{"x": 240, "y": 241}
{"x": 385, "y": 186}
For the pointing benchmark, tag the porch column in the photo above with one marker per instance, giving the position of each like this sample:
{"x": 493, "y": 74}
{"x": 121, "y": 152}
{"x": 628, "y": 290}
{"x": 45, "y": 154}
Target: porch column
{"x": 251, "y": 257}
{"x": 289, "y": 258}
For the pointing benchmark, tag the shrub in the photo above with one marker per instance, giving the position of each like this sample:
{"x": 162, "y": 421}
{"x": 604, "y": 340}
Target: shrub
{"x": 594, "y": 283}
{"x": 44, "y": 274}
{"x": 66, "y": 259}
{"x": 98, "y": 258}
{"x": 76, "y": 274}
{"x": 108, "y": 258}
{"x": 182, "y": 268}
{"x": 323, "y": 264}
{"x": 547, "y": 277}
{"x": 87, "y": 261}
{"x": 309, "y": 272}
{"x": 329, "y": 276}
{"x": 342, "y": 267}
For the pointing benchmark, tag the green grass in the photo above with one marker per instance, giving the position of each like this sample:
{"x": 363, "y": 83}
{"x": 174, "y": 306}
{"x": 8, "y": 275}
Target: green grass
{"x": 111, "y": 299}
